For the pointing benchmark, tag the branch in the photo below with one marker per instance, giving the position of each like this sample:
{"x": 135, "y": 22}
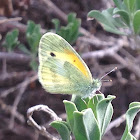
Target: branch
{"x": 55, "y": 9}
{"x": 22, "y": 87}
{"x": 24, "y": 83}
{"x": 12, "y": 76}
{"x": 8, "y": 108}
{"x": 10, "y": 19}
{"x": 105, "y": 52}
{"x": 13, "y": 109}
{"x": 116, "y": 123}
{"x": 16, "y": 102}
{"x": 15, "y": 57}
{"x": 96, "y": 41}
{"x": 128, "y": 63}
{"x": 41, "y": 129}
{"x": 15, "y": 24}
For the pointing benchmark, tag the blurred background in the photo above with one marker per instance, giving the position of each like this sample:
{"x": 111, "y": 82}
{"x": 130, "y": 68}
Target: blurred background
{"x": 22, "y": 23}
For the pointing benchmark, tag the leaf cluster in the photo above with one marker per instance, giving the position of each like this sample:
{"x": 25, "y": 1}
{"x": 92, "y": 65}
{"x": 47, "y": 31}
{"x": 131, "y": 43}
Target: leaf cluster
{"x": 87, "y": 119}
{"x": 33, "y": 36}
{"x": 11, "y": 40}
{"x": 126, "y": 14}
{"x": 70, "y": 32}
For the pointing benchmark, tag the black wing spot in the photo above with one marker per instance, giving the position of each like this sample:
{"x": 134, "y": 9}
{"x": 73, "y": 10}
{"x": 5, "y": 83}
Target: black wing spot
{"x": 74, "y": 60}
{"x": 52, "y": 54}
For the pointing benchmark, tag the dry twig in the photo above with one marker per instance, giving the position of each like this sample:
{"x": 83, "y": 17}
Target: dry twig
{"x": 22, "y": 88}
{"x": 96, "y": 42}
{"x": 105, "y": 52}
{"x": 10, "y": 19}
{"x": 15, "y": 24}
{"x": 116, "y": 122}
{"x": 128, "y": 64}
{"x": 16, "y": 102}
{"x": 24, "y": 83}
{"x": 15, "y": 57}
{"x": 8, "y": 108}
{"x": 12, "y": 76}
{"x": 41, "y": 129}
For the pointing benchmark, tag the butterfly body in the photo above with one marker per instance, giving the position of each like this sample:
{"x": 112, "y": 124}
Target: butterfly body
{"x": 62, "y": 70}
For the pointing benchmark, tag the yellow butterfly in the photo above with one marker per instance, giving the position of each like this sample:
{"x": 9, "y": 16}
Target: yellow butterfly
{"x": 61, "y": 69}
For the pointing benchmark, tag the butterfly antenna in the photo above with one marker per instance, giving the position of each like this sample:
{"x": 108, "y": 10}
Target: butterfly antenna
{"x": 99, "y": 91}
{"x": 106, "y": 80}
{"x": 107, "y": 74}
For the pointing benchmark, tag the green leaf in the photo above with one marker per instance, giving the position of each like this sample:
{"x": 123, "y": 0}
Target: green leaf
{"x": 86, "y": 126}
{"x": 70, "y": 32}
{"x": 80, "y": 103}
{"x": 56, "y": 23}
{"x": 99, "y": 16}
{"x": 105, "y": 22}
{"x": 86, "y": 99}
{"x": 74, "y": 31}
{"x": 64, "y": 32}
{"x": 130, "y": 137}
{"x": 121, "y": 22}
{"x": 134, "y": 104}
{"x": 136, "y": 22}
{"x": 23, "y": 48}
{"x": 33, "y": 36}
{"x": 99, "y": 97}
{"x": 30, "y": 28}
{"x": 62, "y": 129}
{"x": 104, "y": 112}
{"x": 109, "y": 16}
{"x": 130, "y": 115}
{"x": 92, "y": 105}
{"x": 118, "y": 3}
{"x": 11, "y": 40}
{"x": 71, "y": 17}
{"x": 130, "y": 4}
{"x": 33, "y": 64}
{"x": 137, "y": 5}
{"x": 113, "y": 30}
{"x": 74, "y": 24}
{"x": 70, "y": 107}
{"x": 94, "y": 101}
{"x": 134, "y": 108}
{"x": 124, "y": 15}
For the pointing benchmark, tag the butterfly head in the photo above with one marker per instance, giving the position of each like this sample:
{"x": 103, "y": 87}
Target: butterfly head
{"x": 97, "y": 84}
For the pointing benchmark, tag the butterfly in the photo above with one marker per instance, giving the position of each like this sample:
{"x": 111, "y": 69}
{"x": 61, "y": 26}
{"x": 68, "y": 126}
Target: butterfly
{"x": 62, "y": 70}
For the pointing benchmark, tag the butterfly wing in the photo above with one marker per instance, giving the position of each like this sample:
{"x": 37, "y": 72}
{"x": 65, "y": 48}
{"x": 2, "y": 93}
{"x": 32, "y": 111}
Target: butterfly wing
{"x": 61, "y": 69}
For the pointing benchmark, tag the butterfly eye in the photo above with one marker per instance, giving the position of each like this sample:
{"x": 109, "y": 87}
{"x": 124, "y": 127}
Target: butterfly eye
{"x": 52, "y": 54}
